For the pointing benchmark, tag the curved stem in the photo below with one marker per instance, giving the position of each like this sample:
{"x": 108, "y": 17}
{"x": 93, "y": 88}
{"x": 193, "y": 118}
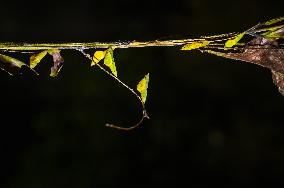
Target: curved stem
{"x": 145, "y": 115}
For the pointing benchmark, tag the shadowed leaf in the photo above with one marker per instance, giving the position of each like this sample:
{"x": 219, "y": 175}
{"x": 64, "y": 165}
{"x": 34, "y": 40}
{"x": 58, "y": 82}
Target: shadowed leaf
{"x": 11, "y": 63}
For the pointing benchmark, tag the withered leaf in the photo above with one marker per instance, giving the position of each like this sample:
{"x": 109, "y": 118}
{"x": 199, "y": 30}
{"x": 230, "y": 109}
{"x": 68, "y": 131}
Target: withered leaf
{"x": 58, "y": 62}
{"x": 264, "y": 52}
{"x": 278, "y": 80}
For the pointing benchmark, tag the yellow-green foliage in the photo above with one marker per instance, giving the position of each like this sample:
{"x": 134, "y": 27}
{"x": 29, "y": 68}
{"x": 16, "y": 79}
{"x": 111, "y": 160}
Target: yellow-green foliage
{"x": 98, "y": 56}
{"x": 109, "y": 61}
{"x": 225, "y": 45}
{"x": 142, "y": 87}
{"x": 195, "y": 45}
{"x": 232, "y": 42}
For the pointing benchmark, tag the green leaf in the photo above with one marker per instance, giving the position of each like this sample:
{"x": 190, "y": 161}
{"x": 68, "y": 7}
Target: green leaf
{"x": 58, "y": 62}
{"x": 109, "y": 61}
{"x": 195, "y": 45}
{"x": 98, "y": 56}
{"x": 142, "y": 87}
{"x": 36, "y": 58}
{"x": 274, "y": 33}
{"x": 273, "y": 21}
{"x": 232, "y": 42}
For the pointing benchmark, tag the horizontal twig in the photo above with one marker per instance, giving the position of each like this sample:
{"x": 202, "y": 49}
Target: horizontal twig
{"x": 10, "y": 46}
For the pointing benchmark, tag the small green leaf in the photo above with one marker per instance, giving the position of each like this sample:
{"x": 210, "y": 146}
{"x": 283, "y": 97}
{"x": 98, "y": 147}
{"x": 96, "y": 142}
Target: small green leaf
{"x": 36, "y": 58}
{"x": 142, "y": 87}
{"x": 98, "y": 56}
{"x": 273, "y": 21}
{"x": 232, "y": 42}
{"x": 195, "y": 45}
{"x": 274, "y": 33}
{"x": 109, "y": 61}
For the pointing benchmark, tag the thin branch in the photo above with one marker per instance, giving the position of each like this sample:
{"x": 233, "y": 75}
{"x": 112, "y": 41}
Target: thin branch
{"x": 144, "y": 115}
{"x": 14, "y": 47}
{"x": 264, "y": 49}
{"x": 29, "y": 47}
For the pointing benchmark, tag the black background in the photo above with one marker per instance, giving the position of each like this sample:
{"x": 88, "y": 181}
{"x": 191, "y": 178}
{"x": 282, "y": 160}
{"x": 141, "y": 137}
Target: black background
{"x": 213, "y": 121}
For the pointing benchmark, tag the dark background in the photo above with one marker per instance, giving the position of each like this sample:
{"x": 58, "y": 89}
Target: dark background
{"x": 213, "y": 121}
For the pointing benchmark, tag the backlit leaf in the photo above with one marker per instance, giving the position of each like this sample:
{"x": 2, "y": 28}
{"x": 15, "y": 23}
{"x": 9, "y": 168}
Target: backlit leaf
{"x": 142, "y": 87}
{"x": 195, "y": 45}
{"x": 109, "y": 61}
{"x": 36, "y": 58}
{"x": 232, "y": 42}
{"x": 98, "y": 56}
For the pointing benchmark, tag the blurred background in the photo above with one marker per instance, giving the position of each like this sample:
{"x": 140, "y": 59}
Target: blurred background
{"x": 213, "y": 121}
